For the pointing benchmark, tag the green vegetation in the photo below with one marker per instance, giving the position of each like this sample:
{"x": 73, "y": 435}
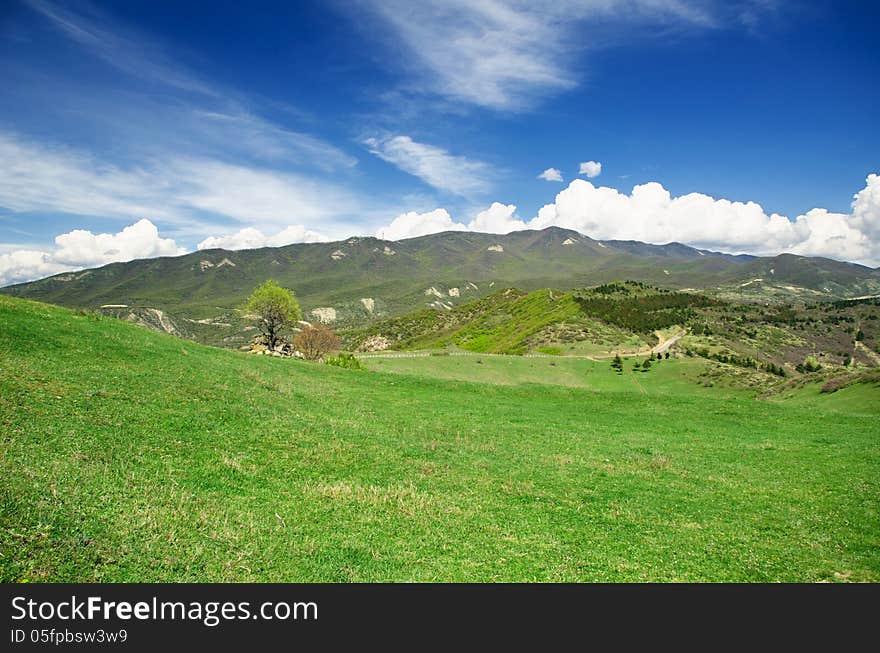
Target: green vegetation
{"x": 277, "y": 311}
{"x": 345, "y": 360}
{"x": 637, "y": 307}
{"x": 133, "y": 456}
{"x": 681, "y": 377}
{"x": 200, "y": 293}
{"x": 500, "y": 323}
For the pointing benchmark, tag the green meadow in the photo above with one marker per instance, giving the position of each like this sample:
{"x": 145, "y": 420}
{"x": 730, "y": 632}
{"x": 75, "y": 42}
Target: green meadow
{"x": 132, "y": 456}
{"x": 674, "y": 376}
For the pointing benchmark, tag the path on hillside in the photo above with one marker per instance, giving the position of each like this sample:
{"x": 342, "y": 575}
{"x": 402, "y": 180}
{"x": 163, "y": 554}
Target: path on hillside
{"x": 661, "y": 347}
{"x": 664, "y": 345}
{"x": 868, "y": 352}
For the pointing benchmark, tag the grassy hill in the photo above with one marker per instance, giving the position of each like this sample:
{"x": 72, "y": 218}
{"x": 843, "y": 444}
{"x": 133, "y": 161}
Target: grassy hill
{"x": 129, "y": 455}
{"x": 756, "y": 342}
{"x": 366, "y": 279}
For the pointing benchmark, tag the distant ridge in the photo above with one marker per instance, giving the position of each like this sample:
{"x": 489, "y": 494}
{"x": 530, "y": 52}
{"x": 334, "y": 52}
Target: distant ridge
{"x": 439, "y": 270}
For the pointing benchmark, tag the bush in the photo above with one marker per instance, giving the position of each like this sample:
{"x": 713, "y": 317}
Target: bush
{"x": 315, "y": 341}
{"x": 810, "y": 364}
{"x": 348, "y": 361}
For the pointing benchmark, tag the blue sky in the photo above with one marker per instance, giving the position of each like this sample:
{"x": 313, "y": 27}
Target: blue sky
{"x": 739, "y": 126}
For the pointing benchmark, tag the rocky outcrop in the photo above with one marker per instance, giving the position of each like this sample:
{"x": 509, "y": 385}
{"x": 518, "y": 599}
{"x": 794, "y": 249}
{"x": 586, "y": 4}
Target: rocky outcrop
{"x": 375, "y": 343}
{"x": 325, "y": 314}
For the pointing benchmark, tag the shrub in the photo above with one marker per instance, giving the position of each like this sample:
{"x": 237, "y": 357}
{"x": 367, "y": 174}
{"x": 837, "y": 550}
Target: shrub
{"x": 348, "y": 361}
{"x": 810, "y": 364}
{"x": 315, "y": 341}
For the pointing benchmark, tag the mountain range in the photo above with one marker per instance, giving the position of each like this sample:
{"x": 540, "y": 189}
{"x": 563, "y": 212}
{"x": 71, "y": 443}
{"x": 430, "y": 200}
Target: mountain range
{"x": 348, "y": 283}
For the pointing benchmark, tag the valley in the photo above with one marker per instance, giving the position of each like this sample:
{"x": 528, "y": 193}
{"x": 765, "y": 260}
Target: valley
{"x": 130, "y": 455}
{"x": 531, "y": 418}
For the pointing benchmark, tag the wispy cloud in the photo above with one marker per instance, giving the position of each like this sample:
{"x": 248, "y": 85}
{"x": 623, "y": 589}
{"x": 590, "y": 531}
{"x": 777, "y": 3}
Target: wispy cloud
{"x": 434, "y": 165}
{"x": 503, "y": 54}
{"x": 120, "y": 47}
{"x": 194, "y": 156}
{"x": 191, "y": 112}
{"x": 42, "y": 178}
{"x": 258, "y": 137}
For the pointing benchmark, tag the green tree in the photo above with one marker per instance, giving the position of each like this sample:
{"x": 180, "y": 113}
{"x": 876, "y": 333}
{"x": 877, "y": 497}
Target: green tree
{"x": 276, "y": 308}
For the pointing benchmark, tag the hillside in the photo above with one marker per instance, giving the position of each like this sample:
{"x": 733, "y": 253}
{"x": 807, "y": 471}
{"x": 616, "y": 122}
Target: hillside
{"x": 359, "y": 280}
{"x": 765, "y": 347}
{"x": 133, "y": 456}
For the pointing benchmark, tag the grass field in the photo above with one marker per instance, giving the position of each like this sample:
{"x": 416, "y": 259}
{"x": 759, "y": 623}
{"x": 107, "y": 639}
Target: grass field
{"x": 673, "y": 376}
{"x": 131, "y": 456}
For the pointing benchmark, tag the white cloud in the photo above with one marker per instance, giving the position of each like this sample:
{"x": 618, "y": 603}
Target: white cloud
{"x": 551, "y": 174}
{"x": 79, "y": 249}
{"x": 590, "y": 169}
{"x": 189, "y": 112}
{"x": 43, "y": 178}
{"x": 26, "y": 265}
{"x": 238, "y": 131}
{"x": 866, "y": 208}
{"x": 497, "y": 219}
{"x": 433, "y": 165}
{"x": 36, "y": 177}
{"x": 652, "y": 215}
{"x": 256, "y": 194}
{"x": 251, "y": 238}
{"x": 412, "y": 224}
{"x": 503, "y": 54}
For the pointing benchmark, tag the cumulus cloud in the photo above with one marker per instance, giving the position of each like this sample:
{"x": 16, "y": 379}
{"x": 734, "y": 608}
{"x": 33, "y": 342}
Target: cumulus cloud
{"x": 650, "y": 214}
{"x": 26, "y": 264}
{"x": 590, "y": 169}
{"x": 412, "y": 224}
{"x": 866, "y": 209}
{"x": 251, "y": 238}
{"x": 433, "y": 165}
{"x": 497, "y": 219}
{"x": 80, "y": 248}
{"x": 551, "y": 174}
